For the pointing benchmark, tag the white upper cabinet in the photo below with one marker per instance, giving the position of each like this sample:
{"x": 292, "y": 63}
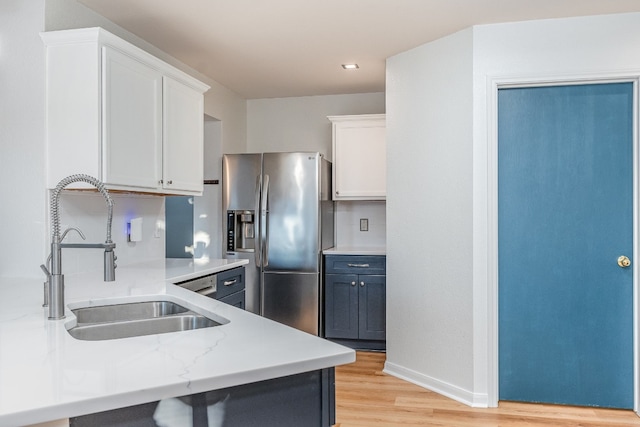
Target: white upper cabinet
{"x": 183, "y": 118}
{"x": 359, "y": 157}
{"x": 122, "y": 115}
{"x": 131, "y": 122}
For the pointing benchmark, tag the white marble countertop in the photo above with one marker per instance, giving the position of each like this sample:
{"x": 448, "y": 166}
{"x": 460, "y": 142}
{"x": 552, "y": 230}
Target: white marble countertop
{"x": 45, "y": 374}
{"x": 356, "y": 250}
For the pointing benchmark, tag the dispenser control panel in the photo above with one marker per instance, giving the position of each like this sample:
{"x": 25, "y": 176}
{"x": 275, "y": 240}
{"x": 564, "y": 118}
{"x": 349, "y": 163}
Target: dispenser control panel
{"x": 231, "y": 223}
{"x": 241, "y": 231}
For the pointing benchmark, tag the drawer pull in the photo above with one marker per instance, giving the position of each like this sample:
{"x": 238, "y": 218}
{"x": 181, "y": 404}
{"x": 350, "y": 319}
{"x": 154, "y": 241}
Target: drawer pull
{"x": 358, "y": 265}
{"x": 230, "y": 282}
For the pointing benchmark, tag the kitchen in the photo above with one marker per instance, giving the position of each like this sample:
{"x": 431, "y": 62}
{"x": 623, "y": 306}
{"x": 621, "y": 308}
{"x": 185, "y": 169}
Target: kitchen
{"x": 457, "y": 320}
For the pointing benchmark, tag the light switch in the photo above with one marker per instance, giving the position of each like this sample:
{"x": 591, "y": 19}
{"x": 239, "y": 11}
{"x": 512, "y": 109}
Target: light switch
{"x": 364, "y": 224}
{"x": 135, "y": 230}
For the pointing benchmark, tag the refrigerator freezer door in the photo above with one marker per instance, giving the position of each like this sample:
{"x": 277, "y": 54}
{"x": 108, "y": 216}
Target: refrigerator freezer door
{"x": 292, "y": 299}
{"x": 292, "y": 227}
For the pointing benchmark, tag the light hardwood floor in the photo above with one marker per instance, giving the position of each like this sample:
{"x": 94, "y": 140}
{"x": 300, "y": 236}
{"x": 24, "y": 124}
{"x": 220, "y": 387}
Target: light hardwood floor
{"x": 367, "y": 397}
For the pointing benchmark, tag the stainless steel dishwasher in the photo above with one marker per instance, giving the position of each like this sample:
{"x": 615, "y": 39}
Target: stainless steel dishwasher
{"x": 206, "y": 285}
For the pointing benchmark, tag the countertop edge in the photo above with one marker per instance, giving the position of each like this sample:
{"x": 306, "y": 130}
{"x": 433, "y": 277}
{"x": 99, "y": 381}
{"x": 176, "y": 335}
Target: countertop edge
{"x": 356, "y": 250}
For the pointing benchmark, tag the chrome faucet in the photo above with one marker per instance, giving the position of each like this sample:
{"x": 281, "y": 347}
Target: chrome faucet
{"x": 55, "y": 278}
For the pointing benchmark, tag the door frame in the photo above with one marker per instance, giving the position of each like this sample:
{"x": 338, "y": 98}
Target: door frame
{"x": 494, "y": 84}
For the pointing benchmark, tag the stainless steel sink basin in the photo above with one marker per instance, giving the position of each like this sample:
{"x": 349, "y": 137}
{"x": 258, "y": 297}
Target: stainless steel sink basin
{"x": 135, "y": 319}
{"x": 129, "y": 311}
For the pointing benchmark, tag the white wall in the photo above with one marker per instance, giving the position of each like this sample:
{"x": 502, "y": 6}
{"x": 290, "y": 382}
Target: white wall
{"x": 22, "y": 191}
{"x": 441, "y": 121}
{"x": 88, "y": 212}
{"x": 429, "y": 215}
{"x": 301, "y": 124}
{"x": 207, "y": 210}
{"x": 347, "y": 224}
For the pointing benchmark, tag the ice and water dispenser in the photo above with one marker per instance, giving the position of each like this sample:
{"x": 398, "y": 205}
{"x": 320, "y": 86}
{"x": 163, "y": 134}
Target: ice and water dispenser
{"x": 241, "y": 231}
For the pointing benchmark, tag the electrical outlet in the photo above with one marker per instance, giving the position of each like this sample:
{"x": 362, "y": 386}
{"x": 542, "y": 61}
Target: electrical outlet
{"x": 364, "y": 224}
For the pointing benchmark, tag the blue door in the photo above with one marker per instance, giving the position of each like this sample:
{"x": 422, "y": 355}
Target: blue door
{"x": 565, "y": 215}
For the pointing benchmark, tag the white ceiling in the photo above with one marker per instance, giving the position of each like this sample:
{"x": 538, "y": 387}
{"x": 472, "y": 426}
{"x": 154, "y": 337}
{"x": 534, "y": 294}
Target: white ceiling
{"x": 282, "y": 48}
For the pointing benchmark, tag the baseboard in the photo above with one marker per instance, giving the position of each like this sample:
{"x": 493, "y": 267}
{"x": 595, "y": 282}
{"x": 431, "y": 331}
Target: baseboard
{"x": 476, "y": 400}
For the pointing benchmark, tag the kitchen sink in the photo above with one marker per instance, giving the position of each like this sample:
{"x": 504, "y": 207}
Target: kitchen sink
{"x": 128, "y": 311}
{"x": 136, "y": 319}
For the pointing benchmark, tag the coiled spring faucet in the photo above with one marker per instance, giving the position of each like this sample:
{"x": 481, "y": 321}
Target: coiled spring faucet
{"x": 55, "y": 278}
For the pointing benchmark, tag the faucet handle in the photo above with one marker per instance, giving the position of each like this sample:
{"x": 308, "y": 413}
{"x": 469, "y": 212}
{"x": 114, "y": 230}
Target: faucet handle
{"x": 46, "y": 270}
{"x": 46, "y": 284}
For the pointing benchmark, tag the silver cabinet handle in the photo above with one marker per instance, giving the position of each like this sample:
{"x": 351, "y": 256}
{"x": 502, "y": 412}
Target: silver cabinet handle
{"x": 358, "y": 265}
{"x": 361, "y": 283}
{"x": 353, "y": 283}
{"x": 230, "y": 282}
{"x": 264, "y": 226}
{"x": 258, "y": 223}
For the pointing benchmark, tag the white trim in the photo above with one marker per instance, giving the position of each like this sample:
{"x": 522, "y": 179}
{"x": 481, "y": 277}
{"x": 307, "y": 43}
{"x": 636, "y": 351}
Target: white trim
{"x": 451, "y": 391}
{"x": 636, "y": 245}
{"x": 493, "y": 84}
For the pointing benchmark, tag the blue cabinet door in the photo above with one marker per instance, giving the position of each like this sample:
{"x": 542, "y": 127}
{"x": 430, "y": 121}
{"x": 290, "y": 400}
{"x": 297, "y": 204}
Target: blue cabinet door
{"x": 372, "y": 312}
{"x": 341, "y": 306}
{"x": 565, "y": 214}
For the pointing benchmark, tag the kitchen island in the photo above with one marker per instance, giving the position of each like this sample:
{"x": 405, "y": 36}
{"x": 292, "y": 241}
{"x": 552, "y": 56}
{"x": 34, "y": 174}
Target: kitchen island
{"x": 45, "y": 374}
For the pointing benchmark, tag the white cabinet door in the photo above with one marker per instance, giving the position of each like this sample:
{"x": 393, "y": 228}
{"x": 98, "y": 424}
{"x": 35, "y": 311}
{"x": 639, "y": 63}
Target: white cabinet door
{"x": 359, "y": 157}
{"x": 131, "y": 122}
{"x": 108, "y": 115}
{"x": 183, "y": 112}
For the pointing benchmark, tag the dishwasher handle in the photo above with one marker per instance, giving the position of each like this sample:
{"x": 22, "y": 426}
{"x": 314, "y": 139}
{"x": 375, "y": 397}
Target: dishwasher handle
{"x": 207, "y": 291}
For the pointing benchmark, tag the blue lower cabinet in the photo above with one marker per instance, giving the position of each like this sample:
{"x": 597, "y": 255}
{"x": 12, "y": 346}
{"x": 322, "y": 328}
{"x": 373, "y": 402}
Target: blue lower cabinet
{"x": 230, "y": 287}
{"x": 355, "y": 304}
{"x": 235, "y": 299}
{"x": 372, "y": 313}
{"x": 341, "y": 306}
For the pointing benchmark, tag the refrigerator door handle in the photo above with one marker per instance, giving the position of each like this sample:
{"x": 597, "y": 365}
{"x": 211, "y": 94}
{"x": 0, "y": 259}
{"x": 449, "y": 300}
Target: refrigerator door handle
{"x": 258, "y": 225}
{"x": 264, "y": 224}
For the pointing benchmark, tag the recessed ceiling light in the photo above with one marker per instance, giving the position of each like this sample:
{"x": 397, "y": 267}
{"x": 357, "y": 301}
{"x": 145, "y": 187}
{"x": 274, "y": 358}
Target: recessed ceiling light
{"x": 350, "y": 66}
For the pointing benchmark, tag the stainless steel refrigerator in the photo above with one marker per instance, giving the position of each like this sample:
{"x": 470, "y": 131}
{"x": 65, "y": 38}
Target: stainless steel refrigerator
{"x": 279, "y": 216}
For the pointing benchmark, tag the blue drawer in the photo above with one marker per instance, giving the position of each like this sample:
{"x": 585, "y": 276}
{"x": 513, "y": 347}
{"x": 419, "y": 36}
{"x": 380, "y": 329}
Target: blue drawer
{"x": 355, "y": 264}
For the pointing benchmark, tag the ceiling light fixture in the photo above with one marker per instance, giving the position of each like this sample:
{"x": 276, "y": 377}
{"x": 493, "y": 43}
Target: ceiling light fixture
{"x": 350, "y": 66}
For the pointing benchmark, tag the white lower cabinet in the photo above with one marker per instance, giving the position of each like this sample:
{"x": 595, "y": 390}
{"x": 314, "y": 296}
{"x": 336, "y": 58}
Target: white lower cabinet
{"x": 121, "y": 115}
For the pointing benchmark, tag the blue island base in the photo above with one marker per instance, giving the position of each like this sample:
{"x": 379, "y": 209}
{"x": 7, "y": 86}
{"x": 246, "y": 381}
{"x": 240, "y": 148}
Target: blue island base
{"x": 306, "y": 399}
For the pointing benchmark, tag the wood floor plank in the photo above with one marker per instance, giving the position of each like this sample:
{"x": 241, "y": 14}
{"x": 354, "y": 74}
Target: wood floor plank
{"x": 367, "y": 397}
